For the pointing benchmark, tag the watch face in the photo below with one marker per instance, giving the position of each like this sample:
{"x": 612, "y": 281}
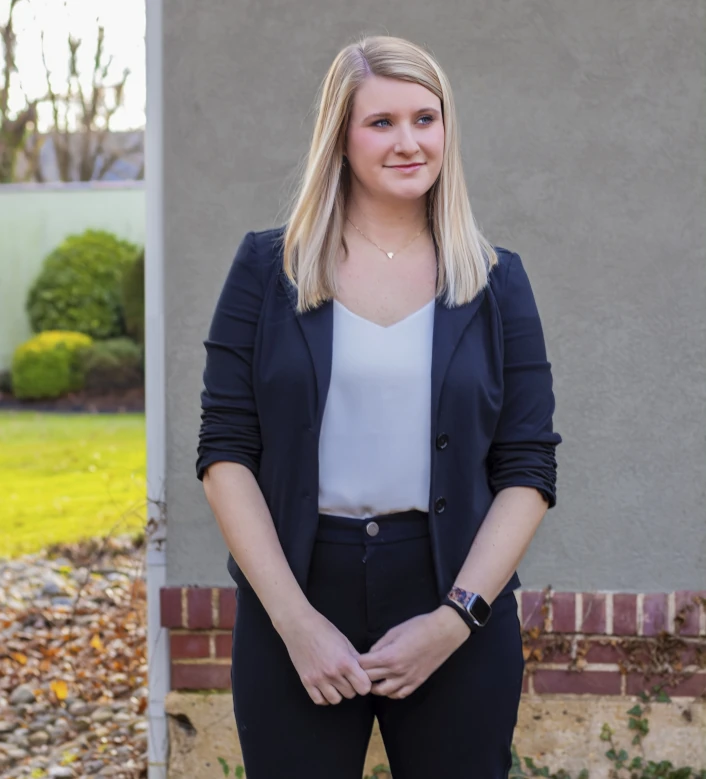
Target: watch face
{"x": 479, "y": 609}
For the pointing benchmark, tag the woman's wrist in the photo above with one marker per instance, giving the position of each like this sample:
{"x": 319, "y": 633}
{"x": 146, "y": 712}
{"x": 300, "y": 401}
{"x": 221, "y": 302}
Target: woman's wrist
{"x": 452, "y": 622}
{"x": 291, "y": 612}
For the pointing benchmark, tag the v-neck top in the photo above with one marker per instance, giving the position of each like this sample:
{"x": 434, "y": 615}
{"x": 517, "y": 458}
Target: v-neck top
{"x": 374, "y": 451}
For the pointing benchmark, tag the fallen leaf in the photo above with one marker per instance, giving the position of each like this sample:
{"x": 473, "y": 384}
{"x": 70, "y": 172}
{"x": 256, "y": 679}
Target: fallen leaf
{"x": 96, "y": 643}
{"x": 59, "y": 688}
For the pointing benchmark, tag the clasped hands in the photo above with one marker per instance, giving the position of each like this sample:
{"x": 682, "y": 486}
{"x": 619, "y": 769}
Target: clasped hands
{"x": 331, "y": 669}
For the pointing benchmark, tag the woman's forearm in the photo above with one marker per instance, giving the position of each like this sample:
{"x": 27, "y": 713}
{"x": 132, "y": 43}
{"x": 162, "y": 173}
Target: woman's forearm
{"x": 501, "y": 541}
{"x": 249, "y": 532}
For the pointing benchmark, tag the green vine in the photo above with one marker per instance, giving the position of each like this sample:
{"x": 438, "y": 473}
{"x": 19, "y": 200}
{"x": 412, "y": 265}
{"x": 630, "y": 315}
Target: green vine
{"x": 624, "y": 766}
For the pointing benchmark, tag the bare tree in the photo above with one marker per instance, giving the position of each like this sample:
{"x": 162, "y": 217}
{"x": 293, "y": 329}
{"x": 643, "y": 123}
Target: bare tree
{"x": 86, "y": 151}
{"x": 17, "y": 132}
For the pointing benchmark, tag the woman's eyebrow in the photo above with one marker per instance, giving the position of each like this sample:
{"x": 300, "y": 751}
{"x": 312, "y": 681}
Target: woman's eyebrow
{"x": 387, "y": 114}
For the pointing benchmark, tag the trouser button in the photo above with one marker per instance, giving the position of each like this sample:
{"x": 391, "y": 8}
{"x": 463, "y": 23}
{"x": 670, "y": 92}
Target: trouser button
{"x": 372, "y": 528}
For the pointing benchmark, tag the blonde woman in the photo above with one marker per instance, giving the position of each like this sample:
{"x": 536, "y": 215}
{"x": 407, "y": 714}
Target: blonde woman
{"x": 377, "y": 446}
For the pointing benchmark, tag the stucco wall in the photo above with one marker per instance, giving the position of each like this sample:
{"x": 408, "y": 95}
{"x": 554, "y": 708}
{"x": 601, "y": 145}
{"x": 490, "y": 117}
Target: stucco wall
{"x": 583, "y": 127}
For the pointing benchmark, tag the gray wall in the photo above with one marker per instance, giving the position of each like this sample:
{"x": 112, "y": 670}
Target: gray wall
{"x": 583, "y": 135}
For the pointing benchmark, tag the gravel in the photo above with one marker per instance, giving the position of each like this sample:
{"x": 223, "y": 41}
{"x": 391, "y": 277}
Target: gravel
{"x": 73, "y": 669}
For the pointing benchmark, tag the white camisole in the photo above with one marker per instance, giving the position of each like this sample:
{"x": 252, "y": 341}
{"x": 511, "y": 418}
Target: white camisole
{"x": 374, "y": 448}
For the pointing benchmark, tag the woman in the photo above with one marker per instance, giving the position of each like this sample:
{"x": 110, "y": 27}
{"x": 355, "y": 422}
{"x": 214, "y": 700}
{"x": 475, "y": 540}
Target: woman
{"x": 377, "y": 446}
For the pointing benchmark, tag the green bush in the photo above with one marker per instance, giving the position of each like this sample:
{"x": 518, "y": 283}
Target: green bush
{"x": 49, "y": 365}
{"x": 79, "y": 286}
{"x": 133, "y": 299}
{"x": 114, "y": 364}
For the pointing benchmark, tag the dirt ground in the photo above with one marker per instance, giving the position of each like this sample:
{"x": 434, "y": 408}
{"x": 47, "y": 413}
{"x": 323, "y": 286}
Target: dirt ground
{"x": 84, "y": 401}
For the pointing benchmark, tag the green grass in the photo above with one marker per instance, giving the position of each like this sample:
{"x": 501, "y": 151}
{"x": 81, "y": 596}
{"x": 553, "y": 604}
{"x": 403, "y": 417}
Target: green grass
{"x": 65, "y": 477}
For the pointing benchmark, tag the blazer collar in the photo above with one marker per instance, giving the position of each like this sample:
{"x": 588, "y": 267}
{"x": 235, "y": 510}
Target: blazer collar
{"x": 317, "y": 328}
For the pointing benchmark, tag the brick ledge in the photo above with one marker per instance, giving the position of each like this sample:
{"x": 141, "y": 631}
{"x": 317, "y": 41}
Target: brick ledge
{"x": 200, "y": 622}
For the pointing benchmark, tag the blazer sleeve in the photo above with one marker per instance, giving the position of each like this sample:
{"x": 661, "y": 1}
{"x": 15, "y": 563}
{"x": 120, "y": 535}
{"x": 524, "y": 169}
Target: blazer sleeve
{"x": 229, "y": 422}
{"x": 522, "y": 452}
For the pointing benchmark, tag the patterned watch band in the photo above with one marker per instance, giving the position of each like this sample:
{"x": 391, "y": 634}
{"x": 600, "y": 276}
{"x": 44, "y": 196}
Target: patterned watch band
{"x": 461, "y": 596}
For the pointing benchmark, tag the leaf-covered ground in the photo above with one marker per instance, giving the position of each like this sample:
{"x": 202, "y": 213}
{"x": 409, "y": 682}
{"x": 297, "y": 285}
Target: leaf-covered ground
{"x": 73, "y": 668}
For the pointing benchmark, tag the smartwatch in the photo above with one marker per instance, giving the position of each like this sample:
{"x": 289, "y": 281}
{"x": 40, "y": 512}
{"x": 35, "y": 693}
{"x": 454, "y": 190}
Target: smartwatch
{"x": 471, "y": 606}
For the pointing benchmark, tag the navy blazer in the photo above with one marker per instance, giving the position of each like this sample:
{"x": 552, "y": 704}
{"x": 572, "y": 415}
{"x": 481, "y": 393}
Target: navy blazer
{"x": 267, "y": 374}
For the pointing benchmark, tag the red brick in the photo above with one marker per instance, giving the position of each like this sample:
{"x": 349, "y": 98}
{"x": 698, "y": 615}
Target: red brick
{"x": 654, "y": 613}
{"x": 208, "y": 676}
{"x": 170, "y": 607}
{"x": 564, "y": 612}
{"x": 593, "y": 614}
{"x": 692, "y": 616}
{"x": 184, "y": 646}
{"x": 224, "y": 645}
{"x": 688, "y": 655}
{"x": 226, "y": 608}
{"x": 625, "y": 614}
{"x": 525, "y": 684}
{"x": 604, "y": 652}
{"x": 584, "y": 682}
{"x": 199, "y": 608}
{"x": 532, "y": 614}
{"x": 550, "y": 652}
{"x": 693, "y": 687}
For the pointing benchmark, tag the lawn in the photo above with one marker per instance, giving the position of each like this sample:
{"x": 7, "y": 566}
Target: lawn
{"x": 64, "y": 477}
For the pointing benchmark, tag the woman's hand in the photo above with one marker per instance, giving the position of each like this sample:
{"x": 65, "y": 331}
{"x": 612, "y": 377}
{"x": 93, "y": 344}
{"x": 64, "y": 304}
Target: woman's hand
{"x": 326, "y": 661}
{"x": 409, "y": 653}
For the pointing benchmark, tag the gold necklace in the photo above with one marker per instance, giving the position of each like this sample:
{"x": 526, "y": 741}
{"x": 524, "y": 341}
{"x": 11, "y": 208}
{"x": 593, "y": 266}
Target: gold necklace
{"x": 389, "y": 254}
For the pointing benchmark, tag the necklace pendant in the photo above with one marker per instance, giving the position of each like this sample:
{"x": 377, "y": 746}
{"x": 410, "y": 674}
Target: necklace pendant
{"x": 390, "y": 254}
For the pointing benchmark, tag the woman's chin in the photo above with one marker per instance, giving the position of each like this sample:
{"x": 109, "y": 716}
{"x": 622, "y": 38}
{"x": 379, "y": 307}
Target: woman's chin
{"x": 408, "y": 193}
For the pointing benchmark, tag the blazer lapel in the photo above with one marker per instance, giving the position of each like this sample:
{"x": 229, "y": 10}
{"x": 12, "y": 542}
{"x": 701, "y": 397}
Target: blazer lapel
{"x": 449, "y": 325}
{"x": 317, "y": 328}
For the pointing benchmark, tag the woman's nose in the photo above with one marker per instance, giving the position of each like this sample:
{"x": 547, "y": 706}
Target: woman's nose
{"x": 406, "y": 141}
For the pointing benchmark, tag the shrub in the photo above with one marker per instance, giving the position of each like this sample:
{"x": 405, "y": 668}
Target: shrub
{"x": 79, "y": 286}
{"x": 133, "y": 299}
{"x": 49, "y": 365}
{"x": 5, "y": 381}
{"x": 114, "y": 364}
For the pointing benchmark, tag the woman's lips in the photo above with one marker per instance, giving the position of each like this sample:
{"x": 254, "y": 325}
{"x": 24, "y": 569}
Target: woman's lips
{"x": 413, "y": 166}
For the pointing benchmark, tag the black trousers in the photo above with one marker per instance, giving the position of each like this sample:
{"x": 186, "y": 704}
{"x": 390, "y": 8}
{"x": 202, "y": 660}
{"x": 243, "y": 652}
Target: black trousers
{"x": 457, "y": 725}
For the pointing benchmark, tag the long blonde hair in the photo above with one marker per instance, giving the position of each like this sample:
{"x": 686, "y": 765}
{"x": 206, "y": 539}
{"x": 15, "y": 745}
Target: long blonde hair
{"x": 313, "y": 234}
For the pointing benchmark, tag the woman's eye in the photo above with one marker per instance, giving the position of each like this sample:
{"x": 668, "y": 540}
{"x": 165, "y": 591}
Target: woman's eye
{"x": 426, "y": 116}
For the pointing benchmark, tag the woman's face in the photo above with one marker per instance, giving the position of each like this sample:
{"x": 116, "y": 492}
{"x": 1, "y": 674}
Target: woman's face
{"x": 394, "y": 123}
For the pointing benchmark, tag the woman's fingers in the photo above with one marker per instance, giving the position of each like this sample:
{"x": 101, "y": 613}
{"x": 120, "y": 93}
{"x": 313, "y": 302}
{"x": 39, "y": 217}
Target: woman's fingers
{"x": 344, "y": 687}
{"x": 403, "y": 692}
{"x": 375, "y": 674}
{"x": 389, "y": 687}
{"x": 347, "y": 686}
{"x": 316, "y": 695}
{"x": 330, "y": 693}
{"x": 359, "y": 680}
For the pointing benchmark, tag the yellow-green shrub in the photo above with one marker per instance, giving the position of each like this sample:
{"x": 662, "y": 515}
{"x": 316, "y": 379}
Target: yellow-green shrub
{"x": 49, "y": 365}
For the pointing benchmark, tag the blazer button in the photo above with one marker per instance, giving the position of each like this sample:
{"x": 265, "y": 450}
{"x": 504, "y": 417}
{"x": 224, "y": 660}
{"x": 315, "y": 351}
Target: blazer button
{"x": 442, "y": 441}
{"x": 439, "y": 505}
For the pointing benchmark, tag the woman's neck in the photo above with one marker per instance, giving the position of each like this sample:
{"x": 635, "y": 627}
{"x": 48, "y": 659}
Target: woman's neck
{"x": 389, "y": 222}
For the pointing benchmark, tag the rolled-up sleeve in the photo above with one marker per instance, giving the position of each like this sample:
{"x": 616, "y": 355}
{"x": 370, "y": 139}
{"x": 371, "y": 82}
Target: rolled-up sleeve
{"x": 522, "y": 453}
{"x": 229, "y": 423}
